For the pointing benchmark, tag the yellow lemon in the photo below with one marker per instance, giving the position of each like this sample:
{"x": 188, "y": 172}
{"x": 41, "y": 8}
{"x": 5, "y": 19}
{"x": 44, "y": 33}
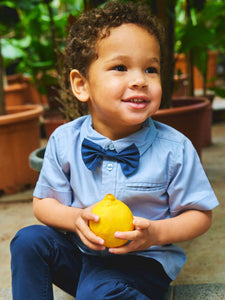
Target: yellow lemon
{"x": 114, "y": 215}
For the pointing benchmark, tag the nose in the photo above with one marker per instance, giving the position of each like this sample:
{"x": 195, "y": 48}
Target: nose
{"x": 137, "y": 80}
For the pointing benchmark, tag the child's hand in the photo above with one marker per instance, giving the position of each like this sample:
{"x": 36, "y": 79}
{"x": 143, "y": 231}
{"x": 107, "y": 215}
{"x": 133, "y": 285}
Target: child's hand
{"x": 147, "y": 233}
{"x": 141, "y": 238}
{"x": 83, "y": 230}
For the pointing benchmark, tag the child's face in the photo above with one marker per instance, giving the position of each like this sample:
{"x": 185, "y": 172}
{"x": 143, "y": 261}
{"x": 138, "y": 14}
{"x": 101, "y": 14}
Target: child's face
{"x": 123, "y": 87}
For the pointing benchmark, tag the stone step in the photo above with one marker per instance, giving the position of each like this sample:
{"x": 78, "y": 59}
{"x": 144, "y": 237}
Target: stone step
{"x": 206, "y": 291}
{"x": 6, "y": 294}
{"x": 209, "y": 291}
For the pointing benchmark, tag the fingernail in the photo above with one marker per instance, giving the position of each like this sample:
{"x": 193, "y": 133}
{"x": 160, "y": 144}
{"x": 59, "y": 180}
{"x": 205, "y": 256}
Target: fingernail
{"x": 101, "y": 241}
{"x": 117, "y": 234}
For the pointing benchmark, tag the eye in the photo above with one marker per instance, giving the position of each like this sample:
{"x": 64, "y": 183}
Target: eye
{"x": 152, "y": 70}
{"x": 120, "y": 68}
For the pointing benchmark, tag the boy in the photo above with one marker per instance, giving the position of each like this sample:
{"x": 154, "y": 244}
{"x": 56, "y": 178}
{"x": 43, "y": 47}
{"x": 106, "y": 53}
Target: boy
{"x": 114, "y": 57}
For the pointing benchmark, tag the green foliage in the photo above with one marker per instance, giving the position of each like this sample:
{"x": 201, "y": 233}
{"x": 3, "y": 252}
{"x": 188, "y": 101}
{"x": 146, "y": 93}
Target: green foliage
{"x": 201, "y": 31}
{"x": 219, "y": 91}
{"x": 30, "y": 39}
{"x": 32, "y": 35}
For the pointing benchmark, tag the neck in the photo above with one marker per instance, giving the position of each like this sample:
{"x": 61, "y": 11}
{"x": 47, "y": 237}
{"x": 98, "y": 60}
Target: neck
{"x": 116, "y": 133}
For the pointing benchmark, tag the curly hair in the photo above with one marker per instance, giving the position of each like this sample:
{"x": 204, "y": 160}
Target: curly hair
{"x": 95, "y": 24}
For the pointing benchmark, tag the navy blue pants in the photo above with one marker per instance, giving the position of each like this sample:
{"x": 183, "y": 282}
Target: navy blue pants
{"x": 41, "y": 256}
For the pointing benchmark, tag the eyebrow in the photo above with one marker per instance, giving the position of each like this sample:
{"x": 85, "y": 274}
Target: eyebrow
{"x": 124, "y": 57}
{"x": 154, "y": 60}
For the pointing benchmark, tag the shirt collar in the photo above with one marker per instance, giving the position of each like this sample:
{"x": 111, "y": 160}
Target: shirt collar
{"x": 143, "y": 138}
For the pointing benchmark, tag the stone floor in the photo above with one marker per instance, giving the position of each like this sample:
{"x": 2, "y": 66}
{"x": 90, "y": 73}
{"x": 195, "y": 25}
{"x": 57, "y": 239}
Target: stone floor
{"x": 205, "y": 255}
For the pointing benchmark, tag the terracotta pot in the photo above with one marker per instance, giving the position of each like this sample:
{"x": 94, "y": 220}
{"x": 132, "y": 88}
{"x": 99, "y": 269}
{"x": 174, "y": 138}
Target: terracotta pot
{"x": 190, "y": 115}
{"x": 52, "y": 120}
{"x": 15, "y": 78}
{"x": 15, "y": 94}
{"x": 19, "y": 136}
{"x": 30, "y": 93}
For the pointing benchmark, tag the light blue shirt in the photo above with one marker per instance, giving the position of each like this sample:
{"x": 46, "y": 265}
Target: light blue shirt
{"x": 169, "y": 180}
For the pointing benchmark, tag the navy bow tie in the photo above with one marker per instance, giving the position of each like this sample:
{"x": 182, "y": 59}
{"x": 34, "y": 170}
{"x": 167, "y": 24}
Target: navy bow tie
{"x": 92, "y": 154}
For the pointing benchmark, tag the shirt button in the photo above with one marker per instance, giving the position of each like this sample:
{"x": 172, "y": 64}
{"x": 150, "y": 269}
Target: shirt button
{"x": 111, "y": 147}
{"x": 109, "y": 167}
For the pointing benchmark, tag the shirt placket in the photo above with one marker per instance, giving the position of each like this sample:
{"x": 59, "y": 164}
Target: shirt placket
{"x": 109, "y": 171}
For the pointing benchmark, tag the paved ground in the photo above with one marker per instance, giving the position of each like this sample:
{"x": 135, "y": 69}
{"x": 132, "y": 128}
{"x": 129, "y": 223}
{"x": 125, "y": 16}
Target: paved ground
{"x": 205, "y": 255}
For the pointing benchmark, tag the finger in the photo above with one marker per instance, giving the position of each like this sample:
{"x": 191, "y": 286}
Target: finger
{"x": 89, "y": 216}
{"x": 129, "y": 247}
{"x": 84, "y": 231}
{"x": 126, "y": 235}
{"x": 92, "y": 241}
{"x": 140, "y": 223}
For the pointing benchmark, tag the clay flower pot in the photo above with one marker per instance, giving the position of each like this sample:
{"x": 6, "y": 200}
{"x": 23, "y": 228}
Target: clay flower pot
{"x": 19, "y": 136}
{"x": 21, "y": 90}
{"x": 15, "y": 94}
{"x": 51, "y": 123}
{"x": 190, "y": 115}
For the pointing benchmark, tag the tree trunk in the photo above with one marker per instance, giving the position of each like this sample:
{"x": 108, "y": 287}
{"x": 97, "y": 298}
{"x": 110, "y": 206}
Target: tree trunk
{"x": 2, "y": 94}
{"x": 190, "y": 59}
{"x": 165, "y": 11}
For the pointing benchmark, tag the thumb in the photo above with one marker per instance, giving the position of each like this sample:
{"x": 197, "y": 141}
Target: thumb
{"x": 140, "y": 223}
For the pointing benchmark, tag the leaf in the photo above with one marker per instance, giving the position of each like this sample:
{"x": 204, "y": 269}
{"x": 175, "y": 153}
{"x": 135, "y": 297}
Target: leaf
{"x": 195, "y": 36}
{"x": 218, "y": 91}
{"x": 21, "y": 43}
{"x": 200, "y": 56}
{"x": 42, "y": 64}
{"x": 11, "y": 52}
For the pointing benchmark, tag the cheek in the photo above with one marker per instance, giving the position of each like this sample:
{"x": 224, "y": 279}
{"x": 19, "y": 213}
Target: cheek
{"x": 113, "y": 87}
{"x": 156, "y": 91}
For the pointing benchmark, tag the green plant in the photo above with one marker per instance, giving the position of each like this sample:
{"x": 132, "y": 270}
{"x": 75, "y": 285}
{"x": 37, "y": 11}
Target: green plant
{"x": 38, "y": 39}
{"x": 199, "y": 28}
{"x": 8, "y": 19}
{"x": 35, "y": 45}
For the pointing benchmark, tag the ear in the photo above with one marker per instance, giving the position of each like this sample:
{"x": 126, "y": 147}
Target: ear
{"x": 79, "y": 86}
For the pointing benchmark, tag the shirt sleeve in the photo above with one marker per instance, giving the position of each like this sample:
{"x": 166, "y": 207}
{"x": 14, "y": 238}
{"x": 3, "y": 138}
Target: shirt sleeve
{"x": 189, "y": 187}
{"x": 53, "y": 181}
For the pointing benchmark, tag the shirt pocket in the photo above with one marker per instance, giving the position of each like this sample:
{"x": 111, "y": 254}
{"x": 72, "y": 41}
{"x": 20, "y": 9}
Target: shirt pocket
{"x": 146, "y": 199}
{"x": 145, "y": 186}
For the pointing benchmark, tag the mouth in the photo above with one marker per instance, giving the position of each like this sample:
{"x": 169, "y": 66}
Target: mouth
{"x": 136, "y": 100}
{"x": 137, "y": 103}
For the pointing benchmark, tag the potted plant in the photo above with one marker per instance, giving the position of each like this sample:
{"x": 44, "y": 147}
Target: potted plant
{"x": 199, "y": 39}
{"x": 174, "y": 110}
{"x": 17, "y": 87}
{"x": 19, "y": 127}
{"x": 52, "y": 80}
{"x": 45, "y": 22}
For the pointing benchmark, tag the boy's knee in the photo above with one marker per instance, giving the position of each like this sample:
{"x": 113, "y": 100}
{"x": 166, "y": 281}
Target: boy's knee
{"x": 26, "y": 239}
{"x": 106, "y": 289}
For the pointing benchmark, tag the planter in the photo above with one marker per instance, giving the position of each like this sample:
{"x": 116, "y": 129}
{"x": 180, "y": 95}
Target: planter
{"x": 192, "y": 116}
{"x": 51, "y": 121}
{"x": 36, "y": 159}
{"x": 21, "y": 87}
{"x": 15, "y": 94}
{"x": 19, "y": 136}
